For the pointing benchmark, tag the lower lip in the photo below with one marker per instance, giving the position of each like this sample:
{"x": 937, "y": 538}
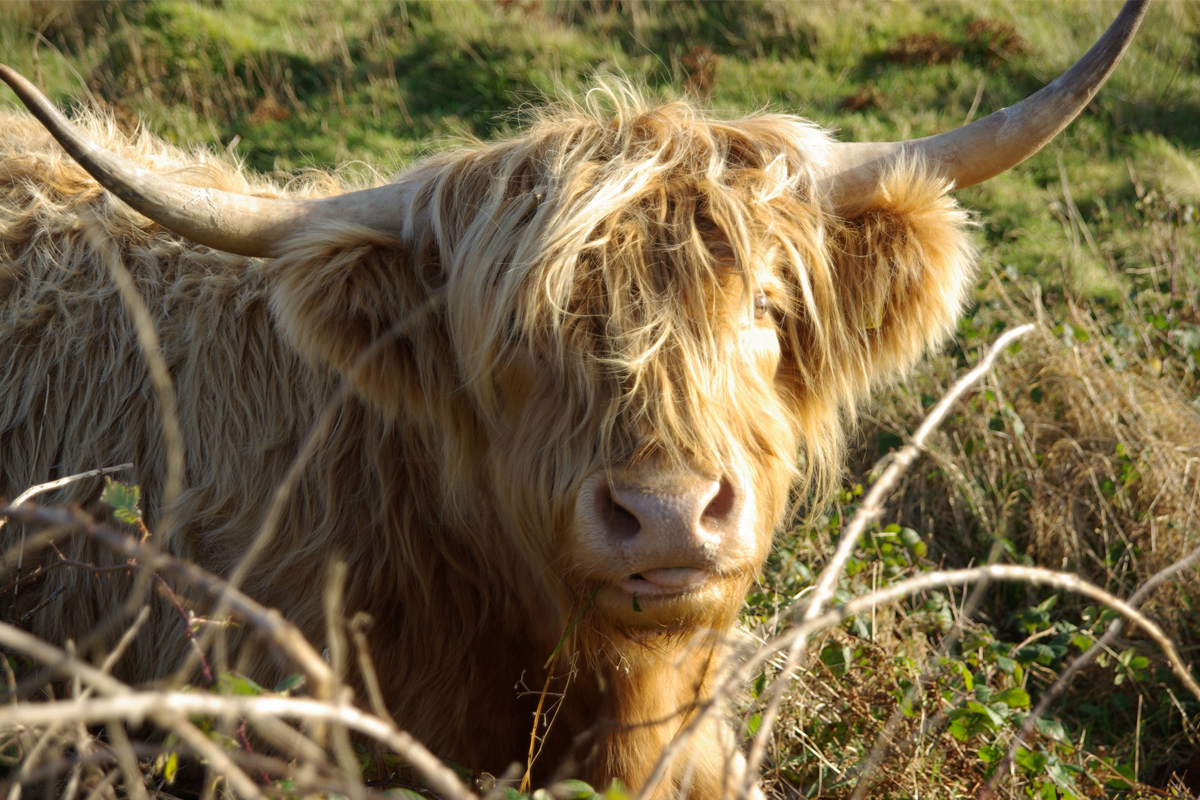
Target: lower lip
{"x": 664, "y": 581}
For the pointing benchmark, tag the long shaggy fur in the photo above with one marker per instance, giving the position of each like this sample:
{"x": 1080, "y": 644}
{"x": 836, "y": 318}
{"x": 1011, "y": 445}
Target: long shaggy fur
{"x": 583, "y": 285}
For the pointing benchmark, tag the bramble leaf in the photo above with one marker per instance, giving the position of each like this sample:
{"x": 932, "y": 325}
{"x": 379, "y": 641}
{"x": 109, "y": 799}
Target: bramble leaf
{"x": 123, "y": 499}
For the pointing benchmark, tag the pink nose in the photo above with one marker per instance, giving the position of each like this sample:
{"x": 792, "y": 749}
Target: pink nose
{"x": 667, "y": 531}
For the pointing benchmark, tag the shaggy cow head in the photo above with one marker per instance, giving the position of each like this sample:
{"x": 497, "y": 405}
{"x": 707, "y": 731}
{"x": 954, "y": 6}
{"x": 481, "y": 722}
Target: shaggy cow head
{"x": 633, "y": 319}
{"x": 634, "y": 311}
{"x": 642, "y": 315}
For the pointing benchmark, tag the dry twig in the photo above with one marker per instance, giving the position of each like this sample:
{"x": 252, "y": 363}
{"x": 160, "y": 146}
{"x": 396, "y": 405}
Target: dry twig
{"x": 1055, "y": 690}
{"x": 282, "y": 633}
{"x": 134, "y": 707}
{"x": 171, "y": 720}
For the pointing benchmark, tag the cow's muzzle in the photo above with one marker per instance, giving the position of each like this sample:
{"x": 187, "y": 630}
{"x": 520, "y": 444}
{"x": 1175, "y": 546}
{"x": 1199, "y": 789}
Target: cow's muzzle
{"x": 659, "y": 534}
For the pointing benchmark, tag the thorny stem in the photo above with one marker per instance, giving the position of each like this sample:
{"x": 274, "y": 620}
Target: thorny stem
{"x": 871, "y": 508}
{"x": 244, "y": 738}
{"x": 117, "y": 693}
{"x": 157, "y": 706}
{"x": 40, "y": 488}
{"x": 136, "y": 706}
{"x": 189, "y": 624}
{"x": 862, "y": 604}
{"x": 317, "y": 435}
{"x": 281, "y": 632}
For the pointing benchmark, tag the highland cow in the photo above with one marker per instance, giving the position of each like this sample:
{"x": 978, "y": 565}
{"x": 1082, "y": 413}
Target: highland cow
{"x": 589, "y": 365}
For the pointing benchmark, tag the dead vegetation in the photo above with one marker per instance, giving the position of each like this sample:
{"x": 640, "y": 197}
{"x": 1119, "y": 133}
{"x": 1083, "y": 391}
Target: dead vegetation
{"x": 899, "y": 688}
{"x": 1080, "y": 452}
{"x": 985, "y": 41}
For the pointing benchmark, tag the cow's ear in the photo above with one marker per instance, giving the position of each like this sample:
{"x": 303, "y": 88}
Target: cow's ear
{"x": 894, "y": 277}
{"x": 360, "y": 302}
{"x": 903, "y": 265}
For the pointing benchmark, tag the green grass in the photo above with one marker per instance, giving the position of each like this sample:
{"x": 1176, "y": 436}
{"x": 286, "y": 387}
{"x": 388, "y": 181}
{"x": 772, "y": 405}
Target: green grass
{"x": 1097, "y": 234}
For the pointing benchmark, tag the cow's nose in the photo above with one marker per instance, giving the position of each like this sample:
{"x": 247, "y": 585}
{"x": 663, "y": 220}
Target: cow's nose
{"x": 663, "y": 532}
{"x": 682, "y": 517}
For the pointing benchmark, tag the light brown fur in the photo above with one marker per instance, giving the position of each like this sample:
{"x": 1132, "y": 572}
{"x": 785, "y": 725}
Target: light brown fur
{"x": 591, "y": 279}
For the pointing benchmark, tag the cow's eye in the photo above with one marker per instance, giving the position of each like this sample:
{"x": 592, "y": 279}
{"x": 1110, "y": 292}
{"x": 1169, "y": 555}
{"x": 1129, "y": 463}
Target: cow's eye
{"x": 761, "y": 305}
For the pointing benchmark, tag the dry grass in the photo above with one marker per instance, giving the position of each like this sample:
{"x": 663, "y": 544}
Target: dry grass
{"x": 1081, "y": 452}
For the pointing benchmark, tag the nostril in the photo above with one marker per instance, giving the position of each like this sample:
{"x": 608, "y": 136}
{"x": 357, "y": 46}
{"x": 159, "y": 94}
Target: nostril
{"x": 721, "y": 506}
{"x": 618, "y": 521}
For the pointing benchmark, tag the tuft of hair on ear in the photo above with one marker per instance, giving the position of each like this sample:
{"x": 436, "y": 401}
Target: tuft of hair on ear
{"x": 890, "y": 281}
{"x": 346, "y": 297}
{"x": 905, "y": 263}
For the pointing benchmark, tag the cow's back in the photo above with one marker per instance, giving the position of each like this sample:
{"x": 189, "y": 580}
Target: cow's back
{"x": 75, "y": 391}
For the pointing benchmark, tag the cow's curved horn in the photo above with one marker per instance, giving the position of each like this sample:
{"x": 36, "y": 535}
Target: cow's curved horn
{"x": 235, "y": 223}
{"x": 973, "y": 153}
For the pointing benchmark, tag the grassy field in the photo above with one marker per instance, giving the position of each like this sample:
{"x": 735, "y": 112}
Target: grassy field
{"x": 1081, "y": 452}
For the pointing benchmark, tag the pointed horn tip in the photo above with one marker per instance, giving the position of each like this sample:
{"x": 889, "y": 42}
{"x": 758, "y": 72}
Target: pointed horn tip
{"x": 982, "y": 149}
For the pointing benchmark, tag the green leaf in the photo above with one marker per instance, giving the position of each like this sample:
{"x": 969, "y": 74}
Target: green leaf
{"x": 995, "y": 719}
{"x": 1038, "y": 652}
{"x": 289, "y": 682}
{"x": 573, "y": 790}
{"x": 1015, "y": 697}
{"x": 123, "y": 499}
{"x": 409, "y": 794}
{"x": 236, "y": 683}
{"x": 962, "y": 670}
{"x": 1125, "y": 771}
{"x": 1051, "y": 728}
{"x": 170, "y": 768}
{"x": 909, "y": 538}
{"x": 1060, "y": 773}
{"x": 1082, "y": 641}
{"x": 616, "y": 791}
{"x": 991, "y": 753}
{"x": 838, "y": 658}
{"x": 1030, "y": 761}
{"x": 1049, "y": 603}
{"x": 958, "y": 729}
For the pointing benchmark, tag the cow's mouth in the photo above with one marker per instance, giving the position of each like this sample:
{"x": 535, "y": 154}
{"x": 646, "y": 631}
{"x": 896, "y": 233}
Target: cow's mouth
{"x": 666, "y": 581}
